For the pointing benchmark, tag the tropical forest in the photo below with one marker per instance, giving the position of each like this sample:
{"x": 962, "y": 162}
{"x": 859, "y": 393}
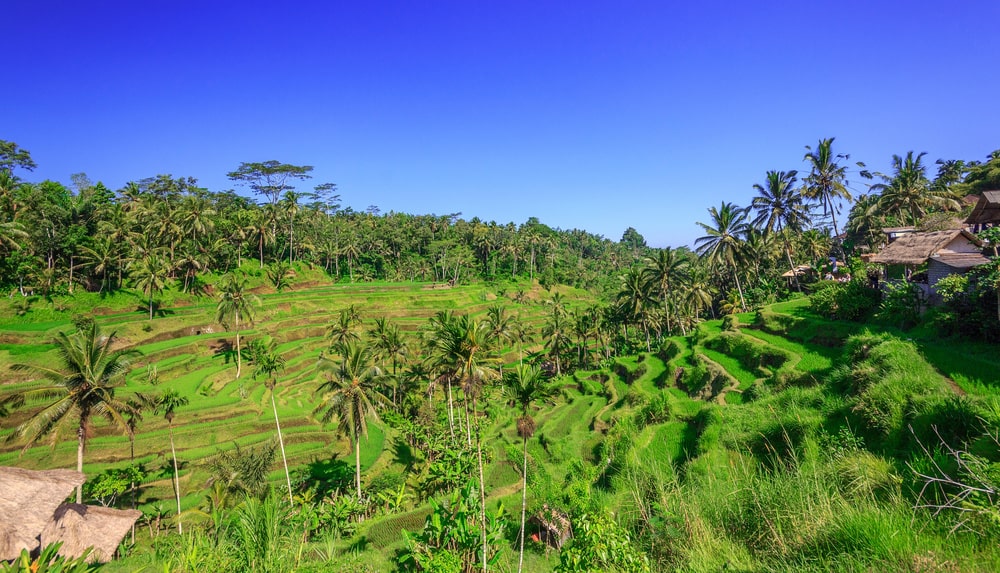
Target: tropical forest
{"x": 266, "y": 380}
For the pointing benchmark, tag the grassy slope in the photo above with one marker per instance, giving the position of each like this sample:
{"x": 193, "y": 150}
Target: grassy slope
{"x": 732, "y": 508}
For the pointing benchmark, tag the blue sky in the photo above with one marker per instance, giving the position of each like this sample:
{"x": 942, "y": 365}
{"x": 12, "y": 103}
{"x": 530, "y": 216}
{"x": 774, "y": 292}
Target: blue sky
{"x": 592, "y": 115}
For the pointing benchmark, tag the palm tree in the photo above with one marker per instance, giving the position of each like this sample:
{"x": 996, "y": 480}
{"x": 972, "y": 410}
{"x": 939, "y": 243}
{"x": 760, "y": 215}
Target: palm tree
{"x": 351, "y": 395}
{"x": 501, "y": 326}
{"x": 721, "y": 244}
{"x": 779, "y": 207}
{"x": 667, "y": 269}
{"x": 525, "y": 386}
{"x": 84, "y": 388}
{"x": 463, "y": 347}
{"x": 827, "y": 180}
{"x": 166, "y": 404}
{"x": 267, "y": 363}
{"x": 556, "y": 333}
{"x": 908, "y": 192}
{"x": 634, "y": 298}
{"x": 150, "y": 276}
{"x": 235, "y": 307}
{"x": 342, "y": 332}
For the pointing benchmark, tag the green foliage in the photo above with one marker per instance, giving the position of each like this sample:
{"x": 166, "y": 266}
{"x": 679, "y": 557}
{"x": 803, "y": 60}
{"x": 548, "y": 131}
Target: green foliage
{"x": 244, "y": 470}
{"x": 48, "y": 561}
{"x": 656, "y": 410}
{"x": 902, "y": 304}
{"x": 451, "y": 540}
{"x": 601, "y": 545}
{"x": 854, "y": 301}
{"x": 107, "y": 486}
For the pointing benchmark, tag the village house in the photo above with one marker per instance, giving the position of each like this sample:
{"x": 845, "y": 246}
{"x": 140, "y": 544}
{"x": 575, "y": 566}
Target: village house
{"x": 944, "y": 252}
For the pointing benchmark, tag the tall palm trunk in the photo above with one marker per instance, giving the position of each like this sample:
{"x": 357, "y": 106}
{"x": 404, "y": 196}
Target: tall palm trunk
{"x": 739, "y": 289}
{"x": 281, "y": 444}
{"x": 81, "y": 438}
{"x": 482, "y": 488}
{"x": 451, "y": 412}
{"x": 791, "y": 265}
{"x": 524, "y": 497}
{"x": 357, "y": 464}
{"x": 177, "y": 479}
{"x": 239, "y": 361}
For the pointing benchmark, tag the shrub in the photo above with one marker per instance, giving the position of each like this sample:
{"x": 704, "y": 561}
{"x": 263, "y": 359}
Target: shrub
{"x": 655, "y": 411}
{"x": 854, "y": 301}
{"x": 669, "y": 349}
{"x": 730, "y": 322}
{"x": 902, "y": 304}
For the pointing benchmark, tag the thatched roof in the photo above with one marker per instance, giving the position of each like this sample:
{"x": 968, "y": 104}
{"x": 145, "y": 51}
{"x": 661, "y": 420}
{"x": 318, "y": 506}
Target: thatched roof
{"x": 81, "y": 526}
{"x": 961, "y": 260}
{"x": 799, "y": 270}
{"x": 28, "y": 499}
{"x": 987, "y": 209}
{"x": 915, "y": 248}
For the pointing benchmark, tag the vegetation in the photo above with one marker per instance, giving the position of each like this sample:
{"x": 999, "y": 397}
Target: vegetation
{"x": 449, "y": 369}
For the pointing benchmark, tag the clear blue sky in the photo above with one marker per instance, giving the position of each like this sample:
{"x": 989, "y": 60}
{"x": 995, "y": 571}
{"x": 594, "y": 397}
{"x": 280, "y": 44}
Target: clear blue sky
{"x": 585, "y": 114}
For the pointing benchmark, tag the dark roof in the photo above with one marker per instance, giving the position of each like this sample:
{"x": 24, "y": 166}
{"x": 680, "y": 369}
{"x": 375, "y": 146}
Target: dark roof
{"x": 961, "y": 260}
{"x": 987, "y": 209}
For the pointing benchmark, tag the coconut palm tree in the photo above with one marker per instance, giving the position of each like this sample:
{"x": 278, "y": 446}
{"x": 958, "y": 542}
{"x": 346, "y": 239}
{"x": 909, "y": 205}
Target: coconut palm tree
{"x": 779, "y": 207}
{"x": 501, "y": 326}
{"x": 342, "y": 331}
{"x": 463, "y": 348}
{"x": 166, "y": 404}
{"x": 235, "y": 308}
{"x": 525, "y": 386}
{"x": 908, "y": 192}
{"x": 634, "y": 298}
{"x": 666, "y": 270}
{"x": 350, "y": 394}
{"x": 721, "y": 244}
{"x": 84, "y": 388}
{"x": 827, "y": 179}
{"x": 267, "y": 363}
{"x": 150, "y": 276}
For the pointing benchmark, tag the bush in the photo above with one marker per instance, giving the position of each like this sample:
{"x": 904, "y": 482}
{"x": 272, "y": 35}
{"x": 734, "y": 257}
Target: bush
{"x": 655, "y": 411}
{"x": 669, "y": 349}
{"x": 854, "y": 301}
{"x": 902, "y": 305}
{"x": 730, "y": 322}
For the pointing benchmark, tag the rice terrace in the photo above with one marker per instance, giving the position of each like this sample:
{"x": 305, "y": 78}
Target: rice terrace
{"x": 290, "y": 386}
{"x": 500, "y": 287}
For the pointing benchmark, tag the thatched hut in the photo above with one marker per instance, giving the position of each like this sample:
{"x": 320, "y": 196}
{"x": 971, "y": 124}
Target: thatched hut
{"x": 33, "y": 515}
{"x": 80, "y": 526}
{"x": 986, "y": 213}
{"x": 945, "y": 252}
{"x": 28, "y": 500}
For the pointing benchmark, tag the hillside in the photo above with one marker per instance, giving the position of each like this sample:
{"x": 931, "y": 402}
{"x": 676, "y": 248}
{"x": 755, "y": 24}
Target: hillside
{"x": 775, "y": 441}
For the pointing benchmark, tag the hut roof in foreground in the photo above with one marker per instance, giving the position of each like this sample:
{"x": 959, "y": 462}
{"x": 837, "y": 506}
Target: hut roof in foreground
{"x": 915, "y": 248}
{"x": 81, "y": 526}
{"x": 28, "y": 499}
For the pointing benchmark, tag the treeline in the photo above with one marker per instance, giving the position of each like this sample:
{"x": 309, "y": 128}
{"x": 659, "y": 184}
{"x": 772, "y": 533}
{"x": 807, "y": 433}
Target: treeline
{"x": 56, "y": 238}
{"x": 164, "y": 231}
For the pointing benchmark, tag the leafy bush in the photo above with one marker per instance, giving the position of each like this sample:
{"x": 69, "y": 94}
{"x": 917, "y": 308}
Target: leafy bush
{"x": 601, "y": 544}
{"x": 854, "y": 301}
{"x": 655, "y": 411}
{"x": 902, "y": 304}
{"x": 669, "y": 349}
